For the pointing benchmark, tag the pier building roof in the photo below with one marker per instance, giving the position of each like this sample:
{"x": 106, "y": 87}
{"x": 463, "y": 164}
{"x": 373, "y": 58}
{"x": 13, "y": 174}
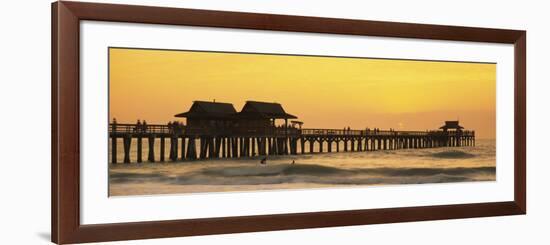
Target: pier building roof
{"x": 451, "y": 125}
{"x": 266, "y": 110}
{"x": 209, "y": 110}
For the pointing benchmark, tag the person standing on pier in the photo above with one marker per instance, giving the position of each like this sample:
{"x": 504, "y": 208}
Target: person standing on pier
{"x": 138, "y": 126}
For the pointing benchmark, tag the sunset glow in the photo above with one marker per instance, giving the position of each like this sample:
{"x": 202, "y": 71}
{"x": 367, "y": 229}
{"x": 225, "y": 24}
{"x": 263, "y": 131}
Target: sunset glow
{"x": 324, "y": 92}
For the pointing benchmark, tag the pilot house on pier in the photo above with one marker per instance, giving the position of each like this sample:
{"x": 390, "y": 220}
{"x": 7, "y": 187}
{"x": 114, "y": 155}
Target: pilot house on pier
{"x": 257, "y": 114}
{"x": 208, "y": 116}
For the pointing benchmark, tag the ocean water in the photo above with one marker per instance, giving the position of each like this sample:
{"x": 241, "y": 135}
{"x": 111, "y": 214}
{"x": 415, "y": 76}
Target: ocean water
{"x": 321, "y": 170}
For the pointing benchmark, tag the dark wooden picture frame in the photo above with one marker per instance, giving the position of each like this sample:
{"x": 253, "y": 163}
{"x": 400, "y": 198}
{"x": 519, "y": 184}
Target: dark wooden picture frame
{"x": 65, "y": 174}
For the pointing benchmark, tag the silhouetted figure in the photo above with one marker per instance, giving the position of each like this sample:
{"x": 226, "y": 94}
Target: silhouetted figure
{"x": 263, "y": 161}
{"x": 114, "y": 125}
{"x": 170, "y": 130}
{"x": 293, "y": 162}
{"x": 138, "y": 126}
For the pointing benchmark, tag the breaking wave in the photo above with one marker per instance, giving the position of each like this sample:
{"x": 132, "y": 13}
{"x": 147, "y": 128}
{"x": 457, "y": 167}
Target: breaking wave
{"x": 272, "y": 170}
{"x": 452, "y": 155}
{"x": 311, "y": 173}
{"x": 321, "y": 170}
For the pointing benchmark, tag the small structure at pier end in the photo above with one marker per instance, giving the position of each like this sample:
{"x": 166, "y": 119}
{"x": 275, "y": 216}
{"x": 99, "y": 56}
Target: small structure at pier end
{"x": 216, "y": 130}
{"x": 453, "y": 125}
{"x": 455, "y": 133}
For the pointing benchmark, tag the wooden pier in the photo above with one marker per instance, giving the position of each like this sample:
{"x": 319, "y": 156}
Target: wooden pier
{"x": 185, "y": 143}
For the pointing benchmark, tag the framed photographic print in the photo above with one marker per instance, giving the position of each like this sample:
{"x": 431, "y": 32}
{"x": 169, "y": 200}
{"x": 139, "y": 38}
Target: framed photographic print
{"x": 177, "y": 122}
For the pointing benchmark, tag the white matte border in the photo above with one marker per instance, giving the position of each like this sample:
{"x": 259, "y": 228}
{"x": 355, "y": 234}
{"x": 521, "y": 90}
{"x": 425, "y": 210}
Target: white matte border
{"x": 96, "y": 207}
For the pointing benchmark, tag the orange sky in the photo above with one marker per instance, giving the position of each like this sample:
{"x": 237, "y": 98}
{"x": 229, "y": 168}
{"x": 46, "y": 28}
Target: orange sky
{"x": 324, "y": 92}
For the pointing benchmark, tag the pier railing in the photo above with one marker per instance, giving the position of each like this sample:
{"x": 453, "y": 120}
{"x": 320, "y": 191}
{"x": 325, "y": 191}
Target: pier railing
{"x": 162, "y": 129}
{"x": 136, "y": 128}
{"x": 372, "y": 132}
